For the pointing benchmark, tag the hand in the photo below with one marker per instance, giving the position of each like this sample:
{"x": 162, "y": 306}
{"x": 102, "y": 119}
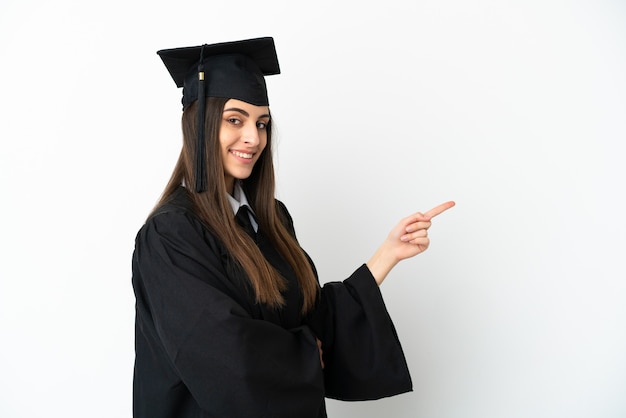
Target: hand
{"x": 407, "y": 239}
{"x": 413, "y": 230}
{"x": 319, "y": 345}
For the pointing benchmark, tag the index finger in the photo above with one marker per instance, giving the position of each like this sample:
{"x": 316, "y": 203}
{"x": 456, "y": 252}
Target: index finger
{"x": 439, "y": 209}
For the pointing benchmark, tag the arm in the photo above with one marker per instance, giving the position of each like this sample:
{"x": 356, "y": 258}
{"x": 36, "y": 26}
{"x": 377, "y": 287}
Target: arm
{"x": 198, "y": 315}
{"x": 407, "y": 239}
{"x": 363, "y": 356}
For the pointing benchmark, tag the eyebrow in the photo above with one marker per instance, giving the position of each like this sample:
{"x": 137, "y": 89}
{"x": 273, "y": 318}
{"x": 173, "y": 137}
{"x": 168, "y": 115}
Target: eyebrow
{"x": 243, "y": 112}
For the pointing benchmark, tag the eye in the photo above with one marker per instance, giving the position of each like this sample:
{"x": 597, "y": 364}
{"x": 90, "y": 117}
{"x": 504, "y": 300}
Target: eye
{"x": 262, "y": 124}
{"x": 233, "y": 120}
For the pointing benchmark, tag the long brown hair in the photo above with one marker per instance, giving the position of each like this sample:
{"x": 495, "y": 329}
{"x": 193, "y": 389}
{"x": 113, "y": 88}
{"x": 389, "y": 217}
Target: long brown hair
{"x": 213, "y": 208}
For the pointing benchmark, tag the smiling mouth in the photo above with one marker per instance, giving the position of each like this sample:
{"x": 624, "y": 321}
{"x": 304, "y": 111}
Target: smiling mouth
{"x": 242, "y": 154}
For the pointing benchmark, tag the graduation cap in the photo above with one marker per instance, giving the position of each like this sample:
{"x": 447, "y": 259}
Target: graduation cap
{"x": 233, "y": 70}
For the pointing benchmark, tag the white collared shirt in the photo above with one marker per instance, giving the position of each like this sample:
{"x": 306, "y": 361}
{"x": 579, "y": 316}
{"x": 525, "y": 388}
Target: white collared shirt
{"x": 239, "y": 199}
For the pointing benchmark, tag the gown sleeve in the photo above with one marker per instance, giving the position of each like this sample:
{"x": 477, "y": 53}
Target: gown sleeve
{"x": 232, "y": 364}
{"x": 363, "y": 357}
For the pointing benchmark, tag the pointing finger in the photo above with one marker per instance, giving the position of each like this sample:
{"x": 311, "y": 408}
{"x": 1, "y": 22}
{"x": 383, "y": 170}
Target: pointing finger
{"x": 439, "y": 209}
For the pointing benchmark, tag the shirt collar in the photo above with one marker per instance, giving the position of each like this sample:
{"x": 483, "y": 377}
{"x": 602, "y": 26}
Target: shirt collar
{"x": 239, "y": 199}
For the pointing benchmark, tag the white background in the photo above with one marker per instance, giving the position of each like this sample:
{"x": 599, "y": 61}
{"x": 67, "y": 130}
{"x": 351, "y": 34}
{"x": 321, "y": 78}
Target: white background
{"x": 514, "y": 109}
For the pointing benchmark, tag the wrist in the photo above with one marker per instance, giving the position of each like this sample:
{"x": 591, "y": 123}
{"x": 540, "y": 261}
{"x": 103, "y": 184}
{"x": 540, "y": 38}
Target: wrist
{"x": 380, "y": 264}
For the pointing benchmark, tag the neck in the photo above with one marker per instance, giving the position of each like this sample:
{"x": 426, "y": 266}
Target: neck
{"x": 230, "y": 185}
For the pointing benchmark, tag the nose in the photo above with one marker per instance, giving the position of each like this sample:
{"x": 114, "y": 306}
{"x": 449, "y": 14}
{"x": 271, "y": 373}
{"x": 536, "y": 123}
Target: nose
{"x": 251, "y": 135}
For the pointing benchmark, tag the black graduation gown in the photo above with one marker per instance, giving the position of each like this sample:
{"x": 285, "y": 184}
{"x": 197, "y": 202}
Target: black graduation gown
{"x": 204, "y": 348}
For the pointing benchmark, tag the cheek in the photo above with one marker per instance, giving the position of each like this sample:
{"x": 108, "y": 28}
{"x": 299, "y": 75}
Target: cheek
{"x": 225, "y": 142}
{"x": 263, "y": 141}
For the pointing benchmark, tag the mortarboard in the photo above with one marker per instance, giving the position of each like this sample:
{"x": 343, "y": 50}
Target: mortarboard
{"x": 233, "y": 70}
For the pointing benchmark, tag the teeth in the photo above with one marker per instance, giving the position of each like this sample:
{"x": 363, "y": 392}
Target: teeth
{"x": 242, "y": 154}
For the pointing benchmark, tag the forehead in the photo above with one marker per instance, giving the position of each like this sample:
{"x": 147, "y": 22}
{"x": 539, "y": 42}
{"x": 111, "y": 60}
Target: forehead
{"x": 235, "y": 104}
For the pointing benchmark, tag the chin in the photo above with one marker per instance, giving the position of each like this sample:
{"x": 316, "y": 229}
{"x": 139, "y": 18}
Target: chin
{"x": 243, "y": 176}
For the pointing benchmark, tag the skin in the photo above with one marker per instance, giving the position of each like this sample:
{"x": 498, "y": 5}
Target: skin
{"x": 243, "y": 137}
{"x": 407, "y": 239}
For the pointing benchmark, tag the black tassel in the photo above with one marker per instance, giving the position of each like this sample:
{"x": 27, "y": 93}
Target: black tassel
{"x": 201, "y": 180}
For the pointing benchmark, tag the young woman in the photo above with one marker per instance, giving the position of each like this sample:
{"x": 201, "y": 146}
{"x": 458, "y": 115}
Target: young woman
{"x": 230, "y": 318}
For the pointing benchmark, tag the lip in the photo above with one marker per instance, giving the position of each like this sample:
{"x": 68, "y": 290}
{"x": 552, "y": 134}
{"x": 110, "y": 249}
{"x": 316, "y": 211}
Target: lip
{"x": 242, "y": 156}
